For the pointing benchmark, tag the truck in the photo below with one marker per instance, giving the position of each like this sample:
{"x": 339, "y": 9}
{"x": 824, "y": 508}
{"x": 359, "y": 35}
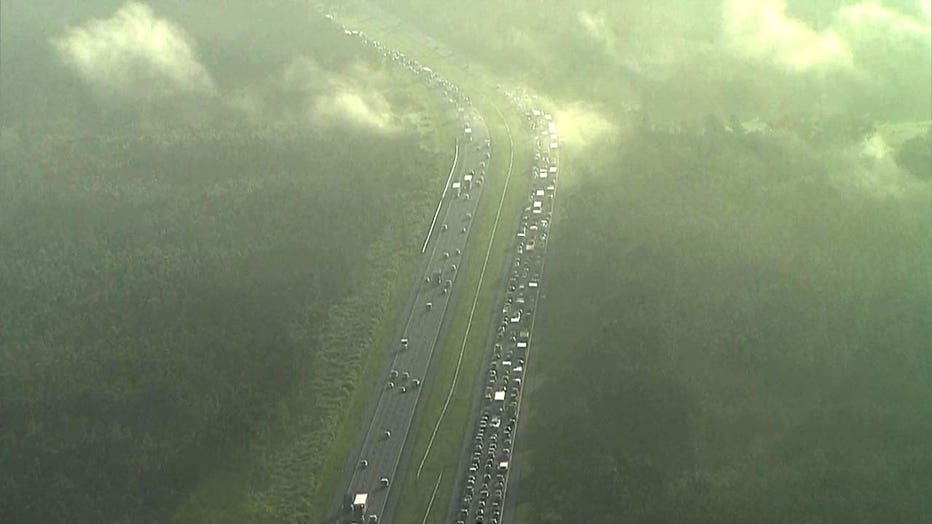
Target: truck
{"x": 359, "y": 506}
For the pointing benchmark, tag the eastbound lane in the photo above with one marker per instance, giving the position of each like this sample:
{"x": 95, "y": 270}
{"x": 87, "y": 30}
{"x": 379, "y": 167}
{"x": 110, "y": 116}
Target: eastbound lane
{"x": 376, "y": 466}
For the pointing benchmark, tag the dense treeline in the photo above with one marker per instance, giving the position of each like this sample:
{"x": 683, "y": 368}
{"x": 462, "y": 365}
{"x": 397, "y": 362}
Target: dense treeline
{"x": 730, "y": 335}
{"x": 151, "y": 295}
{"x": 186, "y": 277}
{"x": 736, "y": 317}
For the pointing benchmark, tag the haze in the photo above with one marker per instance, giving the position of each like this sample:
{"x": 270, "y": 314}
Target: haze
{"x": 222, "y": 225}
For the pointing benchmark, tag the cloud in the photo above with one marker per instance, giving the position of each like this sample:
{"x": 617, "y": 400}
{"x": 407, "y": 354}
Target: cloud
{"x": 861, "y": 16}
{"x": 582, "y": 125}
{"x": 596, "y": 26}
{"x": 370, "y": 110}
{"x": 327, "y": 97}
{"x": 761, "y": 29}
{"x": 134, "y": 53}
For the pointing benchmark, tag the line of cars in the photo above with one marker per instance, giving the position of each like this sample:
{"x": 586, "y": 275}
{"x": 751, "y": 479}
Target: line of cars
{"x": 366, "y": 497}
{"x": 482, "y": 490}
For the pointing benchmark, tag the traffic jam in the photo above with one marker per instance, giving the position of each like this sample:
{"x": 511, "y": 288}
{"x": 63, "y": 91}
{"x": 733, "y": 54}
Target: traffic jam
{"x": 483, "y": 487}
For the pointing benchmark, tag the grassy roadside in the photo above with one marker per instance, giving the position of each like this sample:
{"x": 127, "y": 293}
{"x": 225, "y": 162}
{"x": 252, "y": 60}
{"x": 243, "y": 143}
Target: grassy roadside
{"x": 285, "y": 471}
{"x": 446, "y": 448}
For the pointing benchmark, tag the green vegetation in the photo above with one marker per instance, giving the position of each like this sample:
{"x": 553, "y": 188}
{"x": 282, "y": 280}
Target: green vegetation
{"x": 445, "y": 449}
{"x": 188, "y": 308}
{"x": 208, "y": 219}
{"x": 709, "y": 358}
{"x": 736, "y": 322}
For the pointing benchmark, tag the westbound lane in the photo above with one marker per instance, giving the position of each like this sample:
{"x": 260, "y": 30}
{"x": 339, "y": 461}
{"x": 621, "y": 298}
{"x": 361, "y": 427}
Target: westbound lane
{"x": 386, "y": 436}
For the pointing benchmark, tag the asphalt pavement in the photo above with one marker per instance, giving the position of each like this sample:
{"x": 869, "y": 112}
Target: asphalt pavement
{"x": 484, "y": 474}
{"x": 375, "y": 467}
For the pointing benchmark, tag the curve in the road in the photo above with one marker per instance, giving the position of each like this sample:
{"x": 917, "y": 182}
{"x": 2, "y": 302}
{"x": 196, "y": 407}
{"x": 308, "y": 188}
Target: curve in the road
{"x": 443, "y": 195}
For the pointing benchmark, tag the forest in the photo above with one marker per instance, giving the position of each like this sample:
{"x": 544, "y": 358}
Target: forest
{"x": 736, "y": 317}
{"x": 187, "y": 282}
{"x": 732, "y": 338}
{"x": 208, "y": 214}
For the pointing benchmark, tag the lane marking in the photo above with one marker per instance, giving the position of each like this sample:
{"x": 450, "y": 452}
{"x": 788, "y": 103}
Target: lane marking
{"x": 443, "y": 195}
{"x": 397, "y": 355}
{"x": 475, "y": 301}
{"x": 431, "y": 503}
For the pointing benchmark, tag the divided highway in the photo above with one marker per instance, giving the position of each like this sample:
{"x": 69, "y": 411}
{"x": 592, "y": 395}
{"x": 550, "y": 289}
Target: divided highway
{"x": 481, "y": 481}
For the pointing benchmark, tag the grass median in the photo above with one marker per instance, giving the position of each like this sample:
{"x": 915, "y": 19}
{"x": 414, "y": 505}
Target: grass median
{"x": 445, "y": 450}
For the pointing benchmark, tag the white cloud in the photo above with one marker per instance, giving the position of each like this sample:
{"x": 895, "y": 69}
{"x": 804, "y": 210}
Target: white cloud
{"x": 582, "y": 125}
{"x": 134, "y": 53}
{"x": 333, "y": 97}
{"x": 872, "y": 14}
{"x": 761, "y": 29}
{"x": 364, "y": 109}
{"x": 597, "y": 27}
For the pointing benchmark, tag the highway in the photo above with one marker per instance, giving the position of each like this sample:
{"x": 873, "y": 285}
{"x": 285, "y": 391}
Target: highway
{"x": 483, "y": 476}
{"x": 375, "y": 466}
{"x": 482, "y": 479}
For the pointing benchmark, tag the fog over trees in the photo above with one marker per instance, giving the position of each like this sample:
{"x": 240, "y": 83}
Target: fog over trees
{"x": 205, "y": 212}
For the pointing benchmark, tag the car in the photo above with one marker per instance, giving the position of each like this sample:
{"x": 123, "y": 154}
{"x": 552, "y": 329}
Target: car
{"x": 404, "y": 389}
{"x": 384, "y": 482}
{"x": 390, "y": 385}
{"x": 386, "y": 434}
{"x": 363, "y": 463}
{"x": 415, "y": 383}
{"x": 429, "y": 306}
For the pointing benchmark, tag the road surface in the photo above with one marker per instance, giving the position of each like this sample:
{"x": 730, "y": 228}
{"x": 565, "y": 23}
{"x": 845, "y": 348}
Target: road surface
{"x": 375, "y": 465}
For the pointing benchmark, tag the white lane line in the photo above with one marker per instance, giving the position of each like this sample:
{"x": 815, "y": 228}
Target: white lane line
{"x": 475, "y": 301}
{"x": 433, "y": 346}
{"x": 433, "y": 222}
{"x": 431, "y": 503}
{"x": 396, "y": 355}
